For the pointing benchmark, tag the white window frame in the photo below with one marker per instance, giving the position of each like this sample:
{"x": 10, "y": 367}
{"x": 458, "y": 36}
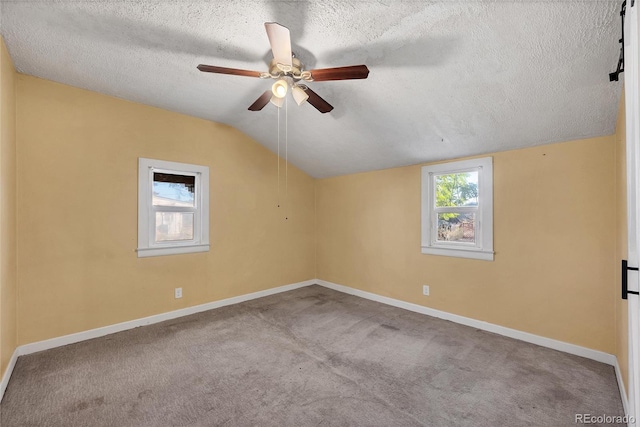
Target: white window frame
{"x": 483, "y": 247}
{"x": 147, "y": 246}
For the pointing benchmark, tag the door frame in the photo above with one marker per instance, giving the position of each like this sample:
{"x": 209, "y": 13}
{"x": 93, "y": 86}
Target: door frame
{"x": 632, "y": 111}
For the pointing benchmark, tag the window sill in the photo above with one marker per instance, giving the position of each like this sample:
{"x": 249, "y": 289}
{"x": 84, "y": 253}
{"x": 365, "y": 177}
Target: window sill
{"x": 459, "y": 253}
{"x": 174, "y": 250}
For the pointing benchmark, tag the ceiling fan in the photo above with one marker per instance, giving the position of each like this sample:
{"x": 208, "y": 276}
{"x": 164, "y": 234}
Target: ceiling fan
{"x": 289, "y": 72}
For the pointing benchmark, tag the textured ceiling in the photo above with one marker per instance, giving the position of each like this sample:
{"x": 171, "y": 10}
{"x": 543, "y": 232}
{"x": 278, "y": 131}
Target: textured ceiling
{"x": 448, "y": 79}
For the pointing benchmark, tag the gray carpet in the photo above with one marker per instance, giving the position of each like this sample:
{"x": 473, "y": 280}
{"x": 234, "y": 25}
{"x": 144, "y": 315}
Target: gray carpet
{"x": 313, "y": 357}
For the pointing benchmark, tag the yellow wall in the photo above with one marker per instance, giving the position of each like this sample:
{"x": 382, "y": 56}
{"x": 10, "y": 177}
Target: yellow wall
{"x": 8, "y": 291}
{"x": 554, "y": 238}
{"x": 556, "y": 250}
{"x": 621, "y": 327}
{"x": 77, "y": 212}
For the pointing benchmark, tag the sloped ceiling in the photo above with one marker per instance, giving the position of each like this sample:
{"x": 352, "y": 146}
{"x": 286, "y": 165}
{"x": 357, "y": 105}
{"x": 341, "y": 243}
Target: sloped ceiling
{"x": 448, "y": 79}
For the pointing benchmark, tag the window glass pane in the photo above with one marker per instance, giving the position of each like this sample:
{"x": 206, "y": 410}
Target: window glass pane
{"x": 173, "y": 190}
{"x": 457, "y": 189}
{"x": 457, "y": 227}
{"x": 172, "y": 226}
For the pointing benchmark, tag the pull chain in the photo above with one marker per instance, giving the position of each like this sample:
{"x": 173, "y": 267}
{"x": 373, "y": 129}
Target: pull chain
{"x": 278, "y": 157}
{"x": 286, "y": 158}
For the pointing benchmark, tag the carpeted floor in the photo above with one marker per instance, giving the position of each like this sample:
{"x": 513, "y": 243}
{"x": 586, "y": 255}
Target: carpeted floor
{"x": 309, "y": 357}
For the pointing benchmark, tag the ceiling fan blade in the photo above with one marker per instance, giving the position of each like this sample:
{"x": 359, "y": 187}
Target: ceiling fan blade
{"x": 280, "y": 40}
{"x": 261, "y": 102}
{"x": 224, "y": 70}
{"x": 340, "y": 73}
{"x": 315, "y": 100}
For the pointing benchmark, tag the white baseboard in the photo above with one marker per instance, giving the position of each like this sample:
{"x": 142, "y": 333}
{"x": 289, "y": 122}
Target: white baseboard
{"x": 577, "y": 350}
{"x": 157, "y": 318}
{"x": 7, "y": 373}
{"x": 119, "y": 327}
{"x": 486, "y": 326}
{"x": 599, "y": 356}
{"x": 623, "y": 390}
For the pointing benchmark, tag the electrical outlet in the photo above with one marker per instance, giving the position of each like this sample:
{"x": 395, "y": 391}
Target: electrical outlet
{"x": 178, "y": 292}
{"x": 425, "y": 289}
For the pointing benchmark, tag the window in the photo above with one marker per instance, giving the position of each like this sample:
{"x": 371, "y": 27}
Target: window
{"x": 457, "y": 209}
{"x": 173, "y": 208}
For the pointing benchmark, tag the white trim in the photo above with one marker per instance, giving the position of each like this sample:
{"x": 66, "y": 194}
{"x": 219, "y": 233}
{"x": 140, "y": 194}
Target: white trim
{"x": 577, "y": 350}
{"x": 483, "y": 247}
{"x": 623, "y": 391}
{"x": 175, "y": 250}
{"x": 147, "y": 247}
{"x": 588, "y": 353}
{"x": 632, "y": 114}
{"x": 7, "y": 373}
{"x": 119, "y": 327}
{"x": 459, "y": 252}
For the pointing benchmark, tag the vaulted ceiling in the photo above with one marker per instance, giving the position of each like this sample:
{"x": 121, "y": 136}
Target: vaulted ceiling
{"x": 447, "y": 79}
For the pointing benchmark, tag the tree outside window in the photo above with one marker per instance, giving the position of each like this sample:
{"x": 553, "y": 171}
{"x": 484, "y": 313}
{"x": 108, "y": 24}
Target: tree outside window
{"x": 456, "y": 190}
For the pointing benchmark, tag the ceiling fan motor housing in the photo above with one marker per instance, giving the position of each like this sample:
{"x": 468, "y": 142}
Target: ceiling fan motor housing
{"x": 295, "y": 70}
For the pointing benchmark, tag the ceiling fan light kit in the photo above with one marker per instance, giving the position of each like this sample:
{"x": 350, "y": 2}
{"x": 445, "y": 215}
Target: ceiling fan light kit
{"x": 278, "y": 102}
{"x": 279, "y": 88}
{"x": 288, "y": 70}
{"x": 299, "y": 94}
